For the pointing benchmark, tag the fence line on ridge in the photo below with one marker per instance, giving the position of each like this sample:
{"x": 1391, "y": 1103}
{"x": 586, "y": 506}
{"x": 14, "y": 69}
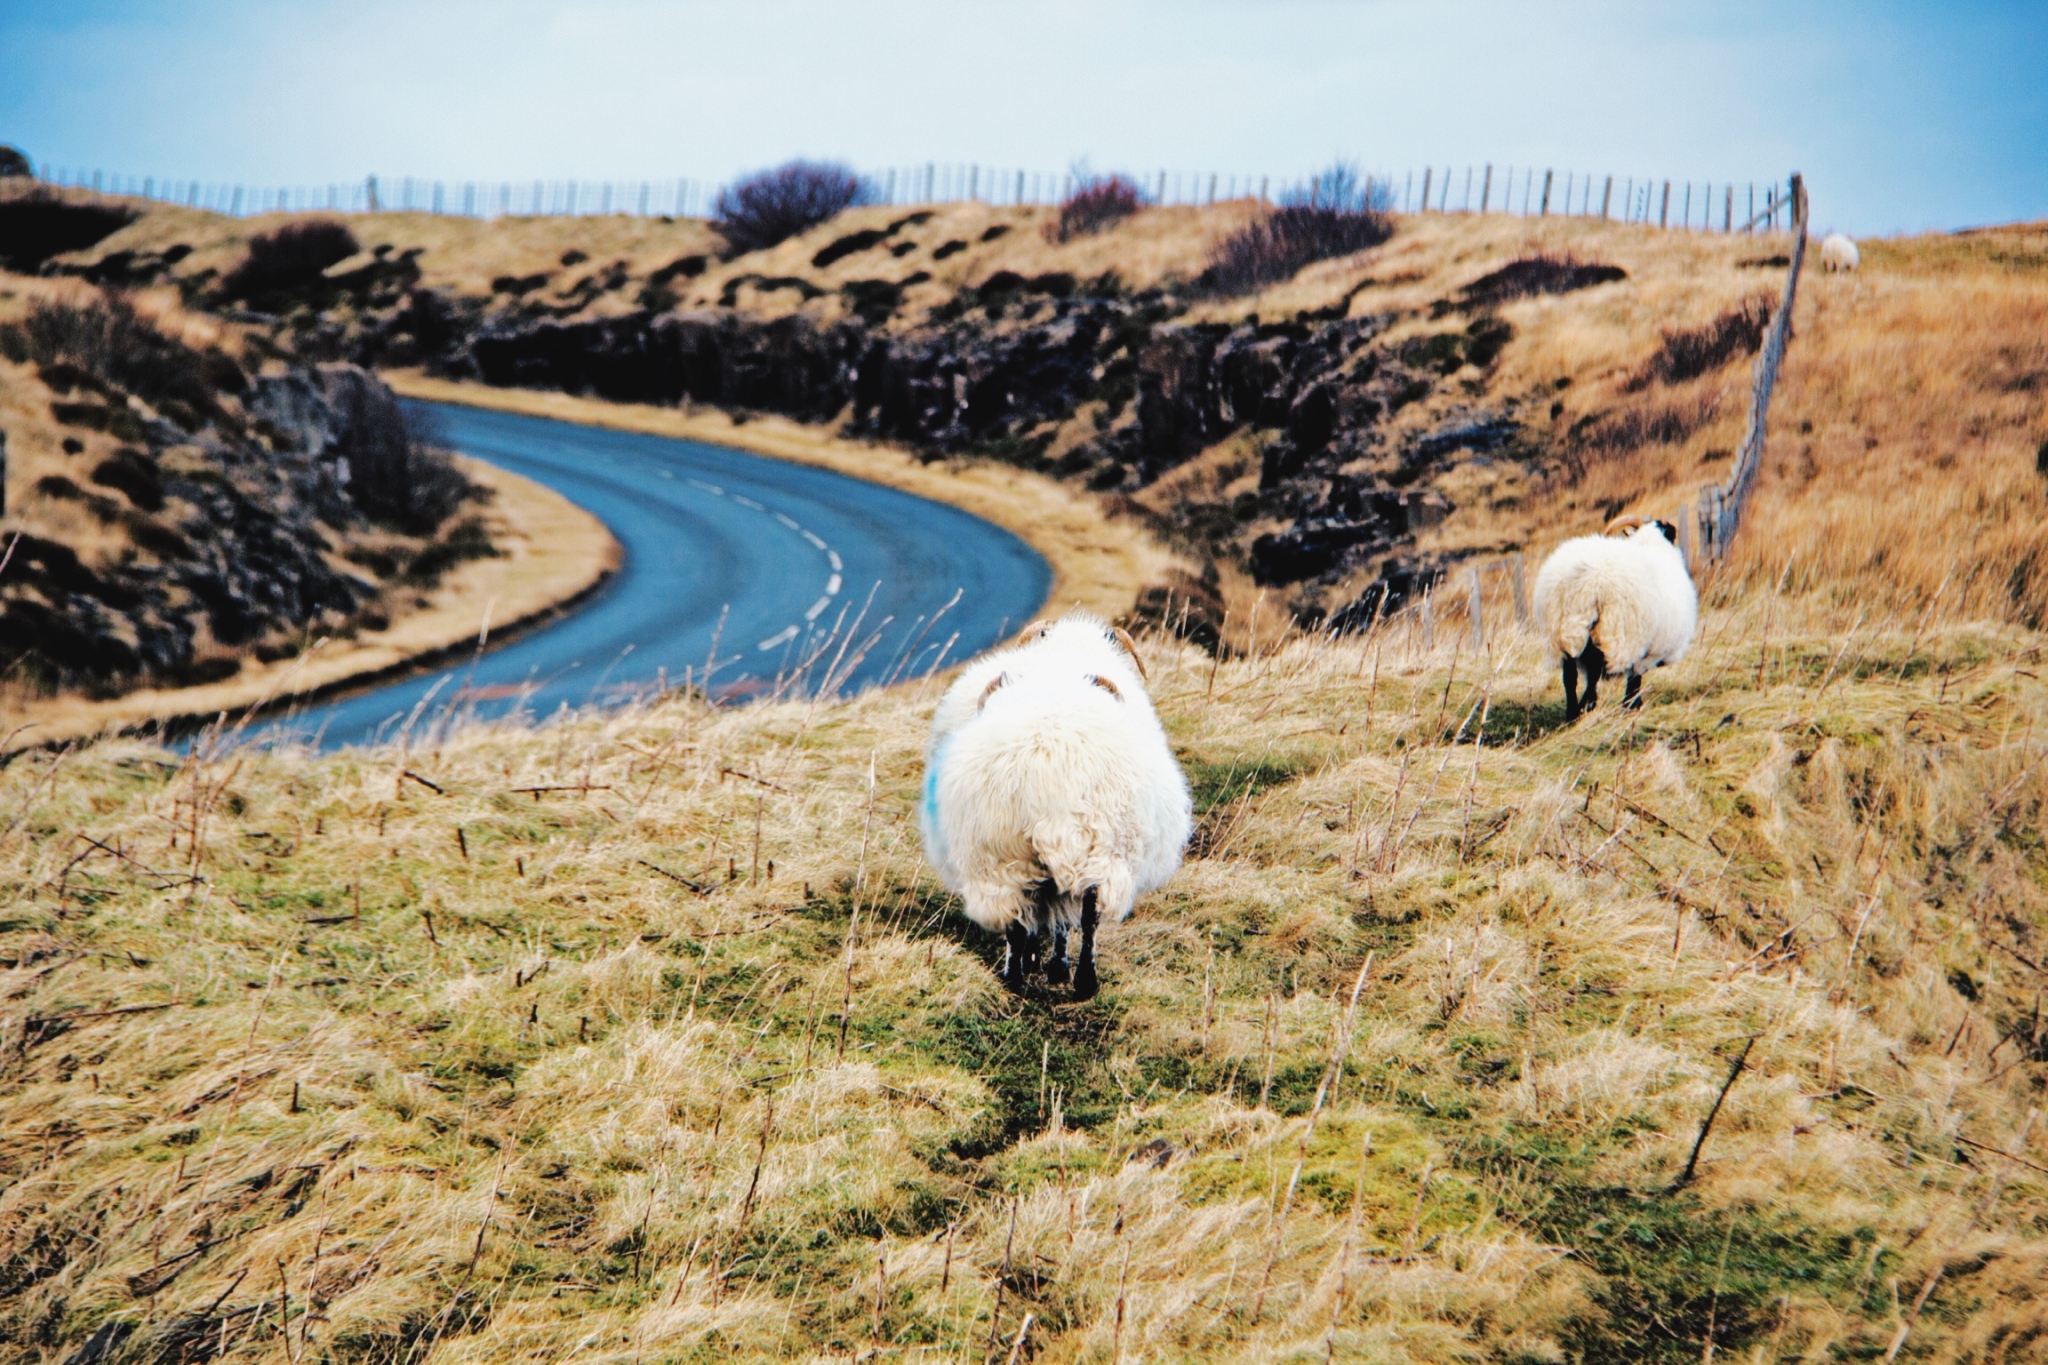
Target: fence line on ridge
{"x": 1718, "y": 206}
{"x": 1707, "y": 523}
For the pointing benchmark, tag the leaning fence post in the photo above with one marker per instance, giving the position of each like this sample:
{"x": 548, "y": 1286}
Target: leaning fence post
{"x": 1486, "y": 188}
{"x": 1472, "y": 601}
{"x": 1664, "y": 211}
{"x": 1427, "y": 172}
{"x": 1518, "y": 586}
{"x": 1545, "y": 210}
{"x": 1606, "y": 197}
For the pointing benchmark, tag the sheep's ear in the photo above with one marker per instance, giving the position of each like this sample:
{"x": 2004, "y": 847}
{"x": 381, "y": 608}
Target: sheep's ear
{"x": 1130, "y": 647}
{"x": 1106, "y": 685}
{"x": 1670, "y": 531}
{"x": 994, "y": 684}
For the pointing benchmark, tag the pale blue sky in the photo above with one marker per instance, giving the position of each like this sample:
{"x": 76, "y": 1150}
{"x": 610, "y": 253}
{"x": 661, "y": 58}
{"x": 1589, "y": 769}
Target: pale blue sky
{"x": 1902, "y": 116}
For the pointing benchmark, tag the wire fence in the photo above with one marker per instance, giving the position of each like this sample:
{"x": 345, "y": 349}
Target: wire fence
{"x": 1706, "y": 524}
{"x": 1524, "y": 191}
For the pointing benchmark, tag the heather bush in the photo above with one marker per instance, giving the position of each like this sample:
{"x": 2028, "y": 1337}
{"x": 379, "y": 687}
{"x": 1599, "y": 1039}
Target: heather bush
{"x": 106, "y": 346}
{"x": 1693, "y": 351}
{"x": 1538, "y": 273}
{"x": 38, "y": 225}
{"x": 774, "y": 205}
{"x": 1096, "y": 205}
{"x": 1290, "y": 237}
{"x": 292, "y": 256}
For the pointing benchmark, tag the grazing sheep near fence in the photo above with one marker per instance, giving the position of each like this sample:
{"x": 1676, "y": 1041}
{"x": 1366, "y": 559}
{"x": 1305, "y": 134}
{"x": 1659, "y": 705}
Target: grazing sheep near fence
{"x": 1622, "y": 602}
{"x": 1838, "y": 253}
{"x": 1051, "y": 796}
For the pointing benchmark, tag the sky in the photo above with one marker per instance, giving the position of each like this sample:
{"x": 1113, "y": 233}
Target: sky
{"x": 1903, "y": 117}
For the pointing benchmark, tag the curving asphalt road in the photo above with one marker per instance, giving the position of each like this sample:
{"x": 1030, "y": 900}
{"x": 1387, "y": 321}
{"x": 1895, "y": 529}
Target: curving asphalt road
{"x": 803, "y": 578}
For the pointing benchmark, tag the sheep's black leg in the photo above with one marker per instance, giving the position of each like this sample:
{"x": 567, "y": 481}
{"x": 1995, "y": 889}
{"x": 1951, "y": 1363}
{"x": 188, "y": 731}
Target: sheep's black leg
{"x": 1632, "y": 695}
{"x": 1085, "y": 984}
{"x": 1595, "y": 665}
{"x": 1056, "y": 965}
{"x": 1570, "y": 669}
{"x": 1021, "y": 956}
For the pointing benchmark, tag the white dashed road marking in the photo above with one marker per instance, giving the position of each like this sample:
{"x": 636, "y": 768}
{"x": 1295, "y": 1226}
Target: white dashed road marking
{"x": 832, "y": 585}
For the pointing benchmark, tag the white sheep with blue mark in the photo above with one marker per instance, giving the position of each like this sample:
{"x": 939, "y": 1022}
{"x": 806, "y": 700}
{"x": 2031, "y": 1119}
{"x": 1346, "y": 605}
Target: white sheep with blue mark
{"x": 1051, "y": 795}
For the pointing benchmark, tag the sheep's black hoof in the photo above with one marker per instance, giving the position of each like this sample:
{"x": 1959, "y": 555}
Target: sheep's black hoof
{"x": 1085, "y": 984}
{"x": 1019, "y": 957}
{"x": 1055, "y": 971}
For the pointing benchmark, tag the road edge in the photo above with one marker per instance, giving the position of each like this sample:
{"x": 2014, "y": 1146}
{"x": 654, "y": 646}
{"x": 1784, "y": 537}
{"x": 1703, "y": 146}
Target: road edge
{"x": 554, "y": 554}
{"x": 1098, "y": 564}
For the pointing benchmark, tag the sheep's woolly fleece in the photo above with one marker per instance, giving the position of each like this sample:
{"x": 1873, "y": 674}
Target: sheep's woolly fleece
{"x": 1838, "y": 252}
{"x": 1632, "y": 595}
{"x": 1047, "y": 761}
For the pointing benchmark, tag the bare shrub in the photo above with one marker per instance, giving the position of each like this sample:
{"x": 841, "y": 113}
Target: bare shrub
{"x": 1281, "y": 243}
{"x": 1335, "y": 214}
{"x": 115, "y": 349}
{"x": 292, "y": 256}
{"x": 1691, "y": 352}
{"x": 774, "y": 205}
{"x": 1098, "y": 204}
{"x": 1538, "y": 273}
{"x": 397, "y": 474}
{"x": 14, "y": 162}
{"x": 1618, "y": 433}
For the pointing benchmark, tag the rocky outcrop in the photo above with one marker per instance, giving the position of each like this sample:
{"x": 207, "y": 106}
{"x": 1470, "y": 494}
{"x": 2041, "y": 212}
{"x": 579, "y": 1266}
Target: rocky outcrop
{"x": 224, "y": 508}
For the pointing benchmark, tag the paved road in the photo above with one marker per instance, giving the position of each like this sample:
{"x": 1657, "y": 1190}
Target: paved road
{"x": 805, "y": 578}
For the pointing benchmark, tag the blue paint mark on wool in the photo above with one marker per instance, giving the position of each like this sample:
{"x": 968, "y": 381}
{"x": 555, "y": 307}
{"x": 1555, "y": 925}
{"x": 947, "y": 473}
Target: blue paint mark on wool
{"x": 931, "y": 796}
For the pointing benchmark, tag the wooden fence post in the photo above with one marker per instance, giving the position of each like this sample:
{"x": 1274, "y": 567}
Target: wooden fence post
{"x": 1606, "y": 198}
{"x": 1728, "y": 212}
{"x": 1545, "y": 211}
{"x": 1686, "y": 535}
{"x": 1486, "y": 188}
{"x": 1472, "y": 599}
{"x": 1518, "y": 585}
{"x": 1664, "y": 211}
{"x": 1427, "y": 172}
{"x": 370, "y": 191}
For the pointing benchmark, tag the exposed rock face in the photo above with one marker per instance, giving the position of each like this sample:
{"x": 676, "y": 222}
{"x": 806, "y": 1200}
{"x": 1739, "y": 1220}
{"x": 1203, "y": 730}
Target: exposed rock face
{"x": 1003, "y": 376}
{"x": 1083, "y": 380}
{"x": 222, "y": 505}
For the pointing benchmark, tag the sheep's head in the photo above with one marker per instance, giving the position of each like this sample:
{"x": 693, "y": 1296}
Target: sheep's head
{"x": 1629, "y": 524}
{"x": 1115, "y": 635}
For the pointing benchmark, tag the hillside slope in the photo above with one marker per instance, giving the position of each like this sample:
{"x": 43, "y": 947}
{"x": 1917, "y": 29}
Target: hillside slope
{"x": 1477, "y": 384}
{"x": 648, "y": 1037}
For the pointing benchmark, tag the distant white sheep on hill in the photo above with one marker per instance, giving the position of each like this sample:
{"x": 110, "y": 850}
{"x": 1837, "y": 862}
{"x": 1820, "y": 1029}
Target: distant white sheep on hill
{"x": 1622, "y": 602}
{"x": 1838, "y": 253}
{"x": 1051, "y": 795}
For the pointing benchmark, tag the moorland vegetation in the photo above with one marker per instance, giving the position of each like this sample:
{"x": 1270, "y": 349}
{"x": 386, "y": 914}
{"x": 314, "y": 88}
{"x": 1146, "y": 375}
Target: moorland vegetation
{"x": 1711, "y": 1030}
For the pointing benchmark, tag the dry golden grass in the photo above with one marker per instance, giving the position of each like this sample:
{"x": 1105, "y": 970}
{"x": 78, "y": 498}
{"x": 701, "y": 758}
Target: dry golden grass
{"x": 1902, "y": 465}
{"x": 686, "y": 1056}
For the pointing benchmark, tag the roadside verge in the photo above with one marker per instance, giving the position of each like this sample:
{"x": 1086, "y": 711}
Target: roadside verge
{"x": 552, "y": 553}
